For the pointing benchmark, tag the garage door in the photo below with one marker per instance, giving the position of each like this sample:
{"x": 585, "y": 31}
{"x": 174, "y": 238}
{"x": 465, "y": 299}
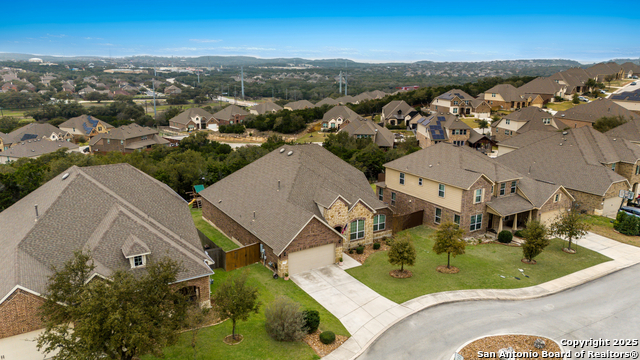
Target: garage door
{"x": 213, "y": 127}
{"x": 611, "y": 207}
{"x": 313, "y": 258}
{"x": 550, "y": 216}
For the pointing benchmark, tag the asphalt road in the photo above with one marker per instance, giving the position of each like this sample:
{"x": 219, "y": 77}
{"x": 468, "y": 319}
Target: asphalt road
{"x": 607, "y": 308}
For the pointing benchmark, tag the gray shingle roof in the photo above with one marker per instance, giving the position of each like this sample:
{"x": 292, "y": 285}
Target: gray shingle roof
{"x": 229, "y": 112}
{"x": 97, "y": 209}
{"x": 186, "y": 116}
{"x": 629, "y": 131}
{"x": 327, "y": 101}
{"x": 533, "y": 118}
{"x": 382, "y": 136}
{"x": 541, "y": 85}
{"x": 266, "y": 107}
{"x": 83, "y": 123}
{"x": 507, "y": 91}
{"x": 449, "y": 95}
{"x": 395, "y": 106}
{"x": 285, "y": 190}
{"x": 594, "y": 110}
{"x": 299, "y": 105}
{"x": 34, "y": 131}
{"x": 340, "y": 111}
{"x": 509, "y": 205}
{"x": 34, "y": 148}
{"x": 124, "y": 132}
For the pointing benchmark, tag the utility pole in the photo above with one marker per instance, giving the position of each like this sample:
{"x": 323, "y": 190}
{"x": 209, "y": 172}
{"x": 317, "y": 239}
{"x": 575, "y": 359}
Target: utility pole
{"x": 242, "y": 80}
{"x": 198, "y": 77}
{"x": 153, "y": 86}
{"x": 346, "y": 83}
{"x": 340, "y": 82}
{"x": 272, "y": 94}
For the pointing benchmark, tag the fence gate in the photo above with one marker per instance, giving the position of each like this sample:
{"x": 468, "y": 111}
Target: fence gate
{"x": 243, "y": 256}
{"x": 406, "y": 221}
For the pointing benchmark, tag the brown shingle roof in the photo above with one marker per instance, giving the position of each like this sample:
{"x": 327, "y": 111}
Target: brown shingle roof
{"x": 186, "y": 116}
{"x": 507, "y": 91}
{"x": 229, "y": 112}
{"x": 594, "y": 110}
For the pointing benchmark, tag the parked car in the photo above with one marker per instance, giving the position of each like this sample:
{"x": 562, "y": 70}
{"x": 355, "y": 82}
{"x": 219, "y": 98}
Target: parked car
{"x": 602, "y": 91}
{"x": 633, "y": 83}
{"x": 631, "y": 211}
{"x": 582, "y": 98}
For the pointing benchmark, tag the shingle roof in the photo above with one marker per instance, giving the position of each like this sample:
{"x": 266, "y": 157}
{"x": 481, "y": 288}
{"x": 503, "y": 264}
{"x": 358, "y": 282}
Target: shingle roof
{"x": 541, "y": 85}
{"x": 456, "y": 92}
{"x": 507, "y": 91}
{"x": 327, "y": 101}
{"x": 186, "y": 116}
{"x": 629, "y": 66}
{"x": 229, "y": 112}
{"x": 458, "y": 166}
{"x": 96, "y": 209}
{"x": 629, "y": 131}
{"x": 285, "y": 190}
{"x": 340, "y": 111}
{"x": 34, "y": 131}
{"x": 34, "y": 148}
{"x": 124, "y": 132}
{"x": 299, "y": 105}
{"x": 594, "y": 110}
{"x": 533, "y": 118}
{"x": 382, "y": 136}
{"x": 266, "y": 107}
{"x": 84, "y": 122}
{"x": 346, "y": 99}
{"x": 509, "y": 205}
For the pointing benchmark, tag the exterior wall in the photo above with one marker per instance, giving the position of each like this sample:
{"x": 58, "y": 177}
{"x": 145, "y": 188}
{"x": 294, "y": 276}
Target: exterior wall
{"x": 423, "y": 140}
{"x": 103, "y": 145}
{"x": 464, "y": 138}
{"x": 593, "y": 204}
{"x": 19, "y": 314}
{"x": 203, "y": 285}
{"x": 564, "y": 203}
{"x": 227, "y": 225}
{"x": 470, "y": 208}
{"x": 339, "y": 215}
{"x": 628, "y": 171}
{"x": 428, "y": 191}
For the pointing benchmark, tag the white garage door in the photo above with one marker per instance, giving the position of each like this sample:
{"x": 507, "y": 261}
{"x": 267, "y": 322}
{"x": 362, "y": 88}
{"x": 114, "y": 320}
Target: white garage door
{"x": 313, "y": 258}
{"x": 213, "y": 127}
{"x": 611, "y": 207}
{"x": 550, "y": 216}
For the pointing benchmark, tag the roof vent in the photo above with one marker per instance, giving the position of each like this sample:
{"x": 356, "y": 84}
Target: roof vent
{"x": 562, "y": 115}
{"x": 560, "y": 144}
{"x": 220, "y": 201}
{"x": 614, "y": 139}
{"x": 290, "y": 153}
{"x": 564, "y": 133}
{"x": 281, "y": 150}
{"x": 430, "y": 165}
{"x": 65, "y": 176}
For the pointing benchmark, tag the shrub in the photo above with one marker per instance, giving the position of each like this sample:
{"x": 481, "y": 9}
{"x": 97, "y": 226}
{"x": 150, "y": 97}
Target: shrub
{"x": 536, "y": 239}
{"x": 360, "y": 250}
{"x": 629, "y": 225}
{"x": 519, "y": 234}
{"x": 284, "y": 320}
{"x": 376, "y": 246}
{"x": 350, "y": 251}
{"x": 312, "y": 320}
{"x": 619, "y": 218}
{"x": 389, "y": 241}
{"x": 327, "y": 337}
{"x": 505, "y": 236}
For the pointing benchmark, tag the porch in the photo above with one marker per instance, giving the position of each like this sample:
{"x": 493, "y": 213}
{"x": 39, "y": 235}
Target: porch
{"x": 509, "y": 213}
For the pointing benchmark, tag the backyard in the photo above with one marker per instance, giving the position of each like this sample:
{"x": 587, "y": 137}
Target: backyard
{"x": 212, "y": 233}
{"x": 561, "y": 106}
{"x": 256, "y": 344}
{"x": 316, "y": 136}
{"x": 482, "y": 267}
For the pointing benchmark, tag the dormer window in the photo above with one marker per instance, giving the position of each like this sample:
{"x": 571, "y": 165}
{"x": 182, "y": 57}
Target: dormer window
{"x": 138, "y": 260}
{"x": 546, "y": 121}
{"x": 135, "y": 251}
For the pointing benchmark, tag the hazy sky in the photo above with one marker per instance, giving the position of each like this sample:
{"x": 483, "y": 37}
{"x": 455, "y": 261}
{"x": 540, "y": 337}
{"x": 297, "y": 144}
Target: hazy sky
{"x": 366, "y": 31}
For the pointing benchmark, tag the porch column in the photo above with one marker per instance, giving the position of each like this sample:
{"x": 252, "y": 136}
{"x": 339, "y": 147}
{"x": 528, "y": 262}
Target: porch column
{"x": 515, "y": 222}
{"x": 499, "y": 224}
{"x": 530, "y": 215}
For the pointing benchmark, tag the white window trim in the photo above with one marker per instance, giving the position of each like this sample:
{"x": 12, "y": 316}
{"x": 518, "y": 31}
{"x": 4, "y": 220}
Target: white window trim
{"x": 437, "y": 219}
{"x": 132, "y": 261}
{"x": 444, "y": 193}
{"x": 477, "y": 226}
{"x": 420, "y": 181}
{"x": 556, "y": 198}
{"x": 379, "y": 225}
{"x": 475, "y": 196}
{"x": 503, "y": 189}
{"x": 402, "y": 178}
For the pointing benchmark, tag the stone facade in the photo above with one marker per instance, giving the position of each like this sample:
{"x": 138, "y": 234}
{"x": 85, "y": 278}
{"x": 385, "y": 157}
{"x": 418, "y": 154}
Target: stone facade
{"x": 564, "y": 203}
{"x": 469, "y": 207}
{"x": 629, "y": 172}
{"x": 500, "y": 134}
{"x": 340, "y": 217}
{"x": 202, "y": 285}
{"x": 19, "y": 313}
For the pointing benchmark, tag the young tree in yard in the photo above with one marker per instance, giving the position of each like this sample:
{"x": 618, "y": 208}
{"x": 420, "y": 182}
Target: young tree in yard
{"x": 402, "y": 252}
{"x": 284, "y": 320}
{"x": 449, "y": 240}
{"x": 196, "y": 317}
{"x": 121, "y": 318}
{"x": 570, "y": 225}
{"x": 575, "y": 99}
{"x": 236, "y": 300}
{"x": 483, "y": 124}
{"x": 535, "y": 235}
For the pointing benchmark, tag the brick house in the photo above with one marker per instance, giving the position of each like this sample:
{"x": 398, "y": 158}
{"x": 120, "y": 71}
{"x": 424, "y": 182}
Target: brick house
{"x": 397, "y": 112}
{"x": 194, "y": 119}
{"x": 232, "y": 114}
{"x": 85, "y": 126}
{"x": 459, "y": 184}
{"x": 111, "y": 211}
{"x": 442, "y": 127}
{"x": 302, "y": 204}
{"x": 523, "y": 120}
{"x": 505, "y": 97}
{"x": 458, "y": 102}
{"x": 588, "y": 113}
{"x": 337, "y": 117}
{"x": 127, "y": 139}
{"x": 592, "y": 166}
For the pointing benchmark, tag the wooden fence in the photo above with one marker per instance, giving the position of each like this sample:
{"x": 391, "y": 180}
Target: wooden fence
{"x": 243, "y": 256}
{"x": 406, "y": 221}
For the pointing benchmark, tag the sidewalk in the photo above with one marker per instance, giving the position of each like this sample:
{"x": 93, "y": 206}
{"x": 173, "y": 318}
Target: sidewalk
{"x": 622, "y": 256}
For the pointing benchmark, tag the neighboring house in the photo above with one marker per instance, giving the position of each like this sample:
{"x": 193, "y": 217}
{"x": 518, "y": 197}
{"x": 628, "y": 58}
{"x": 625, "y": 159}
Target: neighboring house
{"x": 366, "y": 129}
{"x": 232, "y": 114}
{"x": 397, "y": 112}
{"x": 464, "y": 186}
{"x": 453, "y": 101}
{"x": 299, "y": 105}
{"x": 629, "y": 100}
{"x": 505, "y": 97}
{"x": 442, "y": 127}
{"x": 574, "y": 79}
{"x": 126, "y": 139}
{"x": 630, "y": 69}
{"x": 327, "y": 101}
{"x": 111, "y": 211}
{"x": 338, "y": 116}
{"x": 588, "y": 113}
{"x": 266, "y": 107}
{"x": 87, "y": 90}
{"x": 600, "y": 71}
{"x": 194, "y": 119}
{"x": 35, "y": 131}
{"x": 523, "y": 120}
{"x": 302, "y": 204}
{"x": 4, "y": 141}
{"x": 594, "y": 167}
{"x": 172, "y": 90}
{"x": 33, "y": 149}
{"x": 9, "y": 87}
{"x": 629, "y": 131}
{"x": 344, "y": 100}
{"x": 544, "y": 87}
{"x": 85, "y": 126}
{"x": 68, "y": 87}
{"x": 362, "y": 97}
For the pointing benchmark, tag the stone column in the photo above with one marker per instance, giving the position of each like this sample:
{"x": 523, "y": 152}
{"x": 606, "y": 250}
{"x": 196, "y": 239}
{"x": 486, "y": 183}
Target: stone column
{"x": 515, "y": 222}
{"x": 499, "y": 224}
{"x": 530, "y": 215}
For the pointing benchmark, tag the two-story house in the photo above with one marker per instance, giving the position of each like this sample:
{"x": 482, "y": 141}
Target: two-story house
{"x": 505, "y": 97}
{"x": 126, "y": 139}
{"x": 440, "y": 127}
{"x": 265, "y": 107}
{"x": 587, "y": 114}
{"x": 337, "y": 117}
{"x": 544, "y": 87}
{"x": 459, "y": 184}
{"x": 85, "y": 126}
{"x": 35, "y": 131}
{"x": 460, "y": 103}
{"x": 232, "y": 114}
{"x": 366, "y": 129}
{"x": 523, "y": 120}
{"x": 397, "y": 112}
{"x": 194, "y": 119}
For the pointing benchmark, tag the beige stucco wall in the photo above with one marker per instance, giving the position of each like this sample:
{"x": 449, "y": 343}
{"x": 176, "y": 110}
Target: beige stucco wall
{"x": 428, "y": 191}
{"x": 488, "y": 97}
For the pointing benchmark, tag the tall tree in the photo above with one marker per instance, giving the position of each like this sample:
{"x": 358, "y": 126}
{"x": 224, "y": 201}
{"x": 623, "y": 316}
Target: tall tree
{"x": 536, "y": 240}
{"x": 570, "y": 225}
{"x": 121, "y": 318}
{"x": 236, "y": 300}
{"x": 402, "y": 252}
{"x": 483, "y": 124}
{"x": 449, "y": 240}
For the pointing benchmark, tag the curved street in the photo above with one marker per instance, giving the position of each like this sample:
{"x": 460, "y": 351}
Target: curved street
{"x": 607, "y": 308}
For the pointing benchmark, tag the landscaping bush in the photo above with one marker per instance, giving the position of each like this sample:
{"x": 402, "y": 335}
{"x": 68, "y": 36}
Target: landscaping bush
{"x": 360, "y": 250}
{"x": 618, "y": 221}
{"x": 629, "y": 225}
{"x": 519, "y": 234}
{"x": 327, "y": 337}
{"x": 505, "y": 236}
{"x": 376, "y": 246}
{"x": 284, "y": 320}
{"x": 350, "y": 251}
{"x": 388, "y": 241}
{"x": 312, "y": 320}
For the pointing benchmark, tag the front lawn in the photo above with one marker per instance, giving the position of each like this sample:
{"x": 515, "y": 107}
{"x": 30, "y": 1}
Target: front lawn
{"x": 256, "y": 344}
{"x": 312, "y": 137}
{"x": 562, "y": 106}
{"x": 212, "y": 233}
{"x": 472, "y": 122}
{"x": 603, "y": 226}
{"x": 480, "y": 268}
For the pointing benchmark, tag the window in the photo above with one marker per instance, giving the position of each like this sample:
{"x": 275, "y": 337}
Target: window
{"x": 108, "y": 141}
{"x": 513, "y": 186}
{"x": 507, "y": 121}
{"x": 503, "y": 187}
{"x": 476, "y": 222}
{"x": 464, "y": 132}
{"x": 438, "y": 216}
{"x": 557, "y": 198}
{"x": 333, "y": 125}
{"x": 393, "y": 199}
{"x": 121, "y": 142}
{"x": 493, "y": 94}
{"x": 456, "y": 219}
{"x": 441, "y": 190}
{"x": 507, "y": 132}
{"x": 455, "y": 103}
{"x": 380, "y": 194}
{"x": 379, "y": 222}
{"x": 478, "y": 197}
{"x": 458, "y": 142}
{"x": 231, "y": 122}
{"x": 546, "y": 121}
{"x": 357, "y": 230}
{"x": 401, "y": 178}
{"x": 324, "y": 125}
{"x": 492, "y": 193}
{"x": 613, "y": 166}
{"x": 455, "y": 110}
{"x": 137, "y": 261}
{"x": 466, "y": 102}
{"x": 637, "y": 169}
{"x": 420, "y": 181}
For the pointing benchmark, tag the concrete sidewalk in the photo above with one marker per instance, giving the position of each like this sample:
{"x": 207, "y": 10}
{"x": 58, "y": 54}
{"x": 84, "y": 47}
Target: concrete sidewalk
{"x": 622, "y": 256}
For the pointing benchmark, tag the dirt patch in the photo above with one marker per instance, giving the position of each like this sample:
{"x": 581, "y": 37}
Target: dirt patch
{"x": 569, "y": 251}
{"x": 447, "y": 270}
{"x": 321, "y": 349}
{"x": 529, "y": 262}
{"x": 368, "y": 250}
{"x": 519, "y": 343}
{"x": 229, "y": 340}
{"x": 404, "y": 274}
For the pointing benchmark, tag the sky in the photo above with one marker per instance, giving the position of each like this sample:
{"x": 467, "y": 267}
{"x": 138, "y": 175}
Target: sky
{"x": 371, "y": 31}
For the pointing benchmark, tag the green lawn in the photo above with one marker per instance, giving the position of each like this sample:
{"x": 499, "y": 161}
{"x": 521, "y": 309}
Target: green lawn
{"x": 603, "y": 226}
{"x": 562, "y": 106}
{"x": 480, "y": 268}
{"x": 318, "y": 136}
{"x": 256, "y": 344}
{"x": 212, "y": 233}
{"x": 472, "y": 122}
